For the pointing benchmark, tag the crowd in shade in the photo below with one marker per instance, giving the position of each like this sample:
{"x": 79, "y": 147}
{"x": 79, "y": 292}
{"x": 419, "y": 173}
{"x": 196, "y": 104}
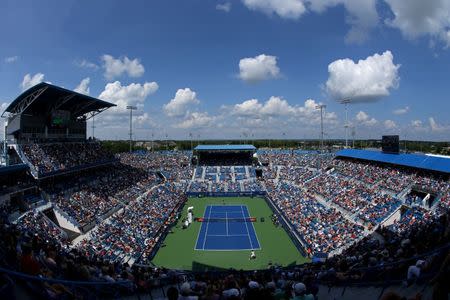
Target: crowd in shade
{"x": 34, "y": 248}
{"x": 47, "y": 158}
{"x": 131, "y": 233}
{"x": 86, "y": 199}
{"x": 36, "y": 223}
{"x": 412, "y": 217}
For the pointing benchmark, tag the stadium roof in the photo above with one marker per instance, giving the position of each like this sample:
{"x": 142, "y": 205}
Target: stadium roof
{"x": 421, "y": 161}
{"x": 44, "y": 98}
{"x": 5, "y": 170}
{"x": 225, "y": 148}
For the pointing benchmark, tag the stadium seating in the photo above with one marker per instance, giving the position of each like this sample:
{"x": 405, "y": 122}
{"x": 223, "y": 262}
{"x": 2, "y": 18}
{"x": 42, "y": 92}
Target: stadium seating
{"x": 48, "y": 158}
{"x": 333, "y": 205}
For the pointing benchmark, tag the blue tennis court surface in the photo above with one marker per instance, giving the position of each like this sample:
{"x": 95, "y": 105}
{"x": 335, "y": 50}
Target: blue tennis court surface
{"x": 228, "y": 233}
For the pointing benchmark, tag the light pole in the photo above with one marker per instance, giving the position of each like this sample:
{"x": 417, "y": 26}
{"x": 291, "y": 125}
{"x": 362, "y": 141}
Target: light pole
{"x": 190, "y": 136}
{"x": 5, "y": 144}
{"x": 346, "y": 102}
{"x": 167, "y": 142}
{"x": 152, "y": 140}
{"x": 93, "y": 127}
{"x": 353, "y": 136}
{"x": 131, "y": 108}
{"x": 321, "y": 107}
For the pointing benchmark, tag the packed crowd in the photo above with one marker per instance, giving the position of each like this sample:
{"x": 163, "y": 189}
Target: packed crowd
{"x": 378, "y": 209}
{"x": 87, "y": 199}
{"x": 410, "y": 218}
{"x": 369, "y": 260}
{"x": 292, "y": 158}
{"x": 322, "y": 229}
{"x": 131, "y": 233}
{"x": 174, "y": 164}
{"x": 37, "y": 247}
{"x": 36, "y": 223}
{"x": 394, "y": 179}
{"x": 370, "y": 205}
{"x": 298, "y": 175}
{"x": 47, "y": 158}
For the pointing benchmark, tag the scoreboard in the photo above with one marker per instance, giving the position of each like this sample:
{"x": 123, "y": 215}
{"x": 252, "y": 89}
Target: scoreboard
{"x": 59, "y": 118}
{"x": 390, "y": 144}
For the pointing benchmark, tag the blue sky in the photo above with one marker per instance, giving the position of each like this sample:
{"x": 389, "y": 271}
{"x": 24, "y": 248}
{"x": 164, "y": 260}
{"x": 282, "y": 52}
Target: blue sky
{"x": 224, "y": 69}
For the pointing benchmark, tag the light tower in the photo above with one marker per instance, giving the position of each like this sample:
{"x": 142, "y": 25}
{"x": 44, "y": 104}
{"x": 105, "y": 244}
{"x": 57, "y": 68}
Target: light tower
{"x": 93, "y": 127}
{"x": 346, "y": 101}
{"x": 5, "y": 144}
{"x": 131, "y": 108}
{"x": 321, "y": 107}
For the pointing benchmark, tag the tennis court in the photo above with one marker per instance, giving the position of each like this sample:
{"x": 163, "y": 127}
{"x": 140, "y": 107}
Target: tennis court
{"x": 227, "y": 228}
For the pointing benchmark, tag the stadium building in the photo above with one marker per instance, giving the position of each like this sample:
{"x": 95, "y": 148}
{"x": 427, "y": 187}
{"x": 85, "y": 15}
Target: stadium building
{"x": 81, "y": 222}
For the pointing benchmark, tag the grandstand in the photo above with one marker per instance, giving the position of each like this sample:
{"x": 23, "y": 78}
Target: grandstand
{"x": 82, "y": 217}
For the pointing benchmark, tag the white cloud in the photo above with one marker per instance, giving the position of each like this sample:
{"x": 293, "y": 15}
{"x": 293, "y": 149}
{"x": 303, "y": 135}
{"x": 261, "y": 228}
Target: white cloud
{"x": 275, "y": 106}
{"x": 11, "y": 59}
{"x": 365, "y": 119}
{"x": 389, "y": 124}
{"x": 116, "y": 67}
{"x": 144, "y": 119}
{"x": 178, "y": 106}
{"x": 29, "y": 81}
{"x": 87, "y": 64}
{"x": 3, "y": 106}
{"x": 286, "y": 9}
{"x": 83, "y": 87}
{"x": 196, "y": 120}
{"x": 417, "y": 18}
{"x": 367, "y": 80}
{"x": 446, "y": 38}
{"x": 362, "y": 16}
{"x": 435, "y": 126}
{"x": 279, "y": 109}
{"x": 416, "y": 123}
{"x": 226, "y": 7}
{"x": 258, "y": 68}
{"x": 250, "y": 107}
{"x": 401, "y": 111}
{"x": 133, "y": 94}
{"x": 117, "y": 117}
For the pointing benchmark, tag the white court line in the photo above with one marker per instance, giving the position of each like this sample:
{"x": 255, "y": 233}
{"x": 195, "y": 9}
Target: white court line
{"x": 226, "y": 222}
{"x": 199, "y": 230}
{"x": 246, "y": 226}
{"x": 228, "y": 235}
{"x": 206, "y": 232}
{"x": 254, "y": 230}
